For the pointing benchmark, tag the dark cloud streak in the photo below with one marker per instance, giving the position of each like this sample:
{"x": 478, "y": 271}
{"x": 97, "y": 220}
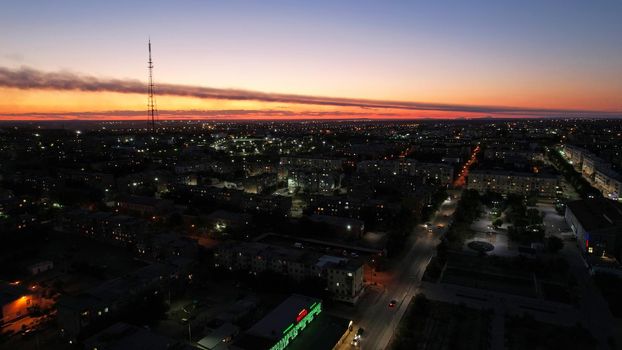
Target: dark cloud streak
{"x": 226, "y": 113}
{"x": 28, "y": 78}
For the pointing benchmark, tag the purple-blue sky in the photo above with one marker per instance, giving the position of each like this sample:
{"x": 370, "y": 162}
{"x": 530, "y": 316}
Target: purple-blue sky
{"x": 549, "y": 54}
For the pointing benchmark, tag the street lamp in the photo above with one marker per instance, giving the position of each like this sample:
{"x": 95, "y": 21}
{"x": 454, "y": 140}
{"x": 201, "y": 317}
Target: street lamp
{"x": 189, "y": 331}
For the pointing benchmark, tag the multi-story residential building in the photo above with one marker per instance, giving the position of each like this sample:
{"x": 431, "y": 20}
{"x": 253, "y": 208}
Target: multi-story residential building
{"x": 609, "y": 182}
{"x": 386, "y": 167}
{"x": 93, "y": 179}
{"x": 259, "y": 183}
{"x": 501, "y": 152}
{"x": 574, "y": 155}
{"x": 590, "y": 164}
{"x": 595, "y": 170}
{"x": 116, "y": 229}
{"x": 38, "y": 182}
{"x": 343, "y": 276}
{"x": 168, "y": 246}
{"x": 313, "y": 181}
{"x": 326, "y": 164}
{"x": 351, "y": 207}
{"x": 266, "y": 204}
{"x": 507, "y": 182}
{"x": 442, "y": 173}
{"x": 247, "y": 202}
{"x": 100, "y": 305}
{"x": 145, "y": 206}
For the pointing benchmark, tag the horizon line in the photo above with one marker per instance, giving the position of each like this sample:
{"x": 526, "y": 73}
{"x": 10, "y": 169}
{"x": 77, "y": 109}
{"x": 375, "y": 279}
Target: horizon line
{"x": 25, "y": 78}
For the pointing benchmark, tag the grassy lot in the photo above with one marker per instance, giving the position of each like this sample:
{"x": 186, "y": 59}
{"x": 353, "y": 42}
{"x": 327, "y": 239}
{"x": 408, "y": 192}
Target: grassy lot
{"x": 497, "y": 282}
{"x": 610, "y": 287}
{"x": 545, "y": 277}
{"x": 525, "y": 333}
{"x": 433, "y": 325}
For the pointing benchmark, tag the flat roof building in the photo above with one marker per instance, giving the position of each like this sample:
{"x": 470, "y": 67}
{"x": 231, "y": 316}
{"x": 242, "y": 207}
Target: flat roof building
{"x": 597, "y": 223}
{"x": 343, "y": 276}
{"x": 507, "y": 182}
{"x": 122, "y": 336}
{"x": 281, "y": 325}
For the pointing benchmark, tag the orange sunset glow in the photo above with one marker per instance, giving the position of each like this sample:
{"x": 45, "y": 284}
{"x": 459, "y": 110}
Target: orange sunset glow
{"x": 434, "y": 61}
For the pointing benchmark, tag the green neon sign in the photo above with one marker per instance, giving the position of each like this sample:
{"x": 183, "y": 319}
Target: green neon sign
{"x": 288, "y": 328}
{"x": 291, "y": 332}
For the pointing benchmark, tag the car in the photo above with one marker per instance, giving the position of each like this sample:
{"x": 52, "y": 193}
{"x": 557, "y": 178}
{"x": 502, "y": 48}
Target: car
{"x": 357, "y": 337}
{"x": 27, "y": 332}
{"x": 393, "y": 303}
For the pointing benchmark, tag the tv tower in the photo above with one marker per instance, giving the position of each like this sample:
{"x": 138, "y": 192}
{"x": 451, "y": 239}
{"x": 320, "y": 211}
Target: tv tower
{"x": 151, "y": 103}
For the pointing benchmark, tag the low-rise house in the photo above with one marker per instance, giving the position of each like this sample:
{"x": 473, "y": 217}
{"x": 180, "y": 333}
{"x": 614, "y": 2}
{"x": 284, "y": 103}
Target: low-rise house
{"x": 16, "y": 301}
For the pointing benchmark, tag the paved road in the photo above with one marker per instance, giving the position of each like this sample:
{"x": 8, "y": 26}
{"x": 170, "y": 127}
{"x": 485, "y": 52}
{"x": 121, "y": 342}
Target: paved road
{"x": 378, "y": 319}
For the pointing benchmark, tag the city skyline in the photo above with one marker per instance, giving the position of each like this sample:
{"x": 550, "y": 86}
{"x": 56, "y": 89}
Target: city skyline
{"x": 311, "y": 175}
{"x": 250, "y": 61}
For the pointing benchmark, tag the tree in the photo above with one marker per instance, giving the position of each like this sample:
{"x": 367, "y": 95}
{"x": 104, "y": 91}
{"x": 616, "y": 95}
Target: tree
{"x": 421, "y": 305}
{"x": 497, "y": 223}
{"x": 534, "y": 217}
{"x": 554, "y": 244}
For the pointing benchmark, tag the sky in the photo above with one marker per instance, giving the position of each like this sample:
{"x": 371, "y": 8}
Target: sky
{"x": 276, "y": 59}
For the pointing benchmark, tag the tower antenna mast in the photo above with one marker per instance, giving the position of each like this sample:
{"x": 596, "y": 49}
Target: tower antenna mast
{"x": 151, "y": 103}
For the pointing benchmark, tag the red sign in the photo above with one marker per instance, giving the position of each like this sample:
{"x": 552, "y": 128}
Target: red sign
{"x": 301, "y": 315}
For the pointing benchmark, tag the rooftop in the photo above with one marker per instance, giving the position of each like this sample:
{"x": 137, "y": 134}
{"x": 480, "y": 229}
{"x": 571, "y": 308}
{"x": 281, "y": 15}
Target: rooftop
{"x": 292, "y": 254}
{"x": 498, "y": 172}
{"x": 275, "y": 322}
{"x": 10, "y": 292}
{"x": 597, "y": 213}
{"x": 122, "y": 336}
